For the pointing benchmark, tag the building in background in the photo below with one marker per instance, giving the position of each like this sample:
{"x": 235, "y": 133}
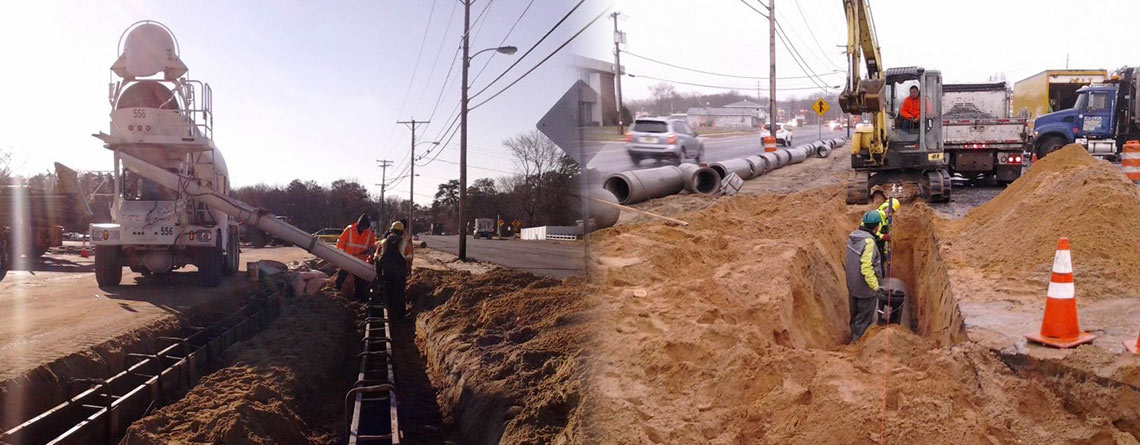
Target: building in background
{"x": 599, "y": 75}
{"x": 743, "y": 114}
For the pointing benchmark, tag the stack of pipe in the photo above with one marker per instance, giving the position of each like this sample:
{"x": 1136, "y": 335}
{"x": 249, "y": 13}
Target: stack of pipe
{"x": 634, "y": 186}
{"x": 631, "y": 187}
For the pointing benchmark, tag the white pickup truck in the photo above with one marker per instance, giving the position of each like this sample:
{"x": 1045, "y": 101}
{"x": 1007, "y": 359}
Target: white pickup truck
{"x": 981, "y": 138}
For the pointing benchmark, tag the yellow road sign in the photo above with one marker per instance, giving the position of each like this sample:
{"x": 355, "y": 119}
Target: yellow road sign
{"x": 820, "y": 107}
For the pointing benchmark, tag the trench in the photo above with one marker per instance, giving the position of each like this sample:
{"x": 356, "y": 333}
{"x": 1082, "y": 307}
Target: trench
{"x": 48, "y": 385}
{"x": 917, "y": 261}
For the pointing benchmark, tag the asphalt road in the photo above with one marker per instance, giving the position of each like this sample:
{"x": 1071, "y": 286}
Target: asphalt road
{"x": 556, "y": 259}
{"x": 612, "y": 156}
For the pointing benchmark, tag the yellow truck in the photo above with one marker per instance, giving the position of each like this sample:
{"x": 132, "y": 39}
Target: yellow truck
{"x": 1051, "y": 90}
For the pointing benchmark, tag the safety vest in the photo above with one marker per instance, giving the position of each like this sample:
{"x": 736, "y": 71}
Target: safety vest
{"x": 355, "y": 243}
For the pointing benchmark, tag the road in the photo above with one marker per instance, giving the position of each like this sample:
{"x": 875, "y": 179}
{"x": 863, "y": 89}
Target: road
{"x": 555, "y": 259}
{"x": 612, "y": 156}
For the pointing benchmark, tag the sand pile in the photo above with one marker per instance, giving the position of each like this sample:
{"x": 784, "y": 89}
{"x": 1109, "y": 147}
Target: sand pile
{"x": 732, "y": 330}
{"x": 1067, "y": 194}
{"x": 505, "y": 351}
{"x": 270, "y": 386}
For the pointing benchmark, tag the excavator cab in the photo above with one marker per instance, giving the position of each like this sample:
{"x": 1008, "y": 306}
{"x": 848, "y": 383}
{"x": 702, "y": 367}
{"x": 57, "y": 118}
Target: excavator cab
{"x": 910, "y": 161}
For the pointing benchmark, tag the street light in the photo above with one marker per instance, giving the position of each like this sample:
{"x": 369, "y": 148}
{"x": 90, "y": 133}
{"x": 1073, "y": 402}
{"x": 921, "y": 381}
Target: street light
{"x": 467, "y": 56}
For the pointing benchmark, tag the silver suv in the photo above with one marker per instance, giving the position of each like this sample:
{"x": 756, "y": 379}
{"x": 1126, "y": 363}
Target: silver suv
{"x": 663, "y": 138}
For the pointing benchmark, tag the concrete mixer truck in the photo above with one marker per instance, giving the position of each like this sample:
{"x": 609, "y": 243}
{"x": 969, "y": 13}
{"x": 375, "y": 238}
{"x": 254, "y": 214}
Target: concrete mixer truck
{"x": 164, "y": 118}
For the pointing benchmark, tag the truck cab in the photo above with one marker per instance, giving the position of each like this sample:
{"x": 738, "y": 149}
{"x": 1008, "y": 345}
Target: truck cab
{"x": 1089, "y": 122}
{"x": 1102, "y": 119}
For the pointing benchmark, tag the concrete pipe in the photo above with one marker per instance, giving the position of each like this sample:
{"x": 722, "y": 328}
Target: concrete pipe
{"x": 772, "y": 160}
{"x": 759, "y": 165}
{"x": 634, "y": 186}
{"x": 823, "y": 152}
{"x": 698, "y": 179}
{"x": 783, "y": 156}
{"x": 603, "y": 215}
{"x": 798, "y": 154}
{"x": 742, "y": 168}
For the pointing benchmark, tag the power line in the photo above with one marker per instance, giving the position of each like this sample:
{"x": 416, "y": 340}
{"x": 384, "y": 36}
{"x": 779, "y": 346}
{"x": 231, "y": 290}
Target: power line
{"x": 552, "y": 53}
{"x": 813, "y": 37}
{"x": 504, "y": 40}
{"x": 392, "y": 132}
{"x": 719, "y": 74}
{"x": 754, "y": 8}
{"x": 528, "y": 51}
{"x": 438, "y": 52}
{"x": 720, "y": 86}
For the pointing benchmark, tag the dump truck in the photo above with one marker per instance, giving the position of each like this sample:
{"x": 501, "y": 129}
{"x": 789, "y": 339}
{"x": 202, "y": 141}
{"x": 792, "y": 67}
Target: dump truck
{"x": 32, "y": 219}
{"x": 1051, "y": 90}
{"x": 981, "y": 138}
{"x": 1102, "y": 118}
{"x": 484, "y": 227}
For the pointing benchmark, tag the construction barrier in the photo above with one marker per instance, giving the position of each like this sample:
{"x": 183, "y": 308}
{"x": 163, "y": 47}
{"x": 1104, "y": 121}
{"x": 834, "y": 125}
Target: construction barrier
{"x": 1130, "y": 161}
{"x": 769, "y": 144}
{"x": 1059, "y": 327}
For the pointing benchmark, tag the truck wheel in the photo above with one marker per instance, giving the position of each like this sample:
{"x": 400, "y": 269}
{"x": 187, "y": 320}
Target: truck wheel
{"x": 210, "y": 266}
{"x": 108, "y": 265}
{"x": 1049, "y": 145}
{"x": 233, "y": 255}
{"x": 3, "y": 257}
{"x": 258, "y": 238}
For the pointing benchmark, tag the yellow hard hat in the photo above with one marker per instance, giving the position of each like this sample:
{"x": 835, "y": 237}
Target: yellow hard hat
{"x": 398, "y": 226}
{"x": 894, "y": 204}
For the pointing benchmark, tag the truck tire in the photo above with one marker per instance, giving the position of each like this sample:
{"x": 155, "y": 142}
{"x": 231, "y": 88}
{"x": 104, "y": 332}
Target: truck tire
{"x": 233, "y": 255}
{"x": 210, "y": 265}
{"x": 108, "y": 265}
{"x": 1050, "y": 144}
{"x": 3, "y": 257}
{"x": 258, "y": 238}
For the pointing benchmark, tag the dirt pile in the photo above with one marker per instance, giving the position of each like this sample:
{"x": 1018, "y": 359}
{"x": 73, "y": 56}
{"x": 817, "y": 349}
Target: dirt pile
{"x": 732, "y": 330}
{"x": 1067, "y": 194}
{"x": 505, "y": 350}
{"x": 270, "y": 386}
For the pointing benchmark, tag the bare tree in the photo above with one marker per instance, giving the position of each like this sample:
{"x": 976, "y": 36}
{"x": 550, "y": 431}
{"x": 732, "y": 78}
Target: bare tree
{"x": 5, "y": 165}
{"x": 662, "y": 93}
{"x": 535, "y": 155}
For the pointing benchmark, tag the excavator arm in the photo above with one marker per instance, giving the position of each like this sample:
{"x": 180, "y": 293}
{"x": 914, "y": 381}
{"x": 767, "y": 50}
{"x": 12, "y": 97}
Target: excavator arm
{"x": 864, "y": 95}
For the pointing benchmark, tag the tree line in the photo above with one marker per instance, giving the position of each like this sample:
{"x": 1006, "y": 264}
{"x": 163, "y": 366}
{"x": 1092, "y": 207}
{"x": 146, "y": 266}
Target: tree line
{"x": 665, "y": 100}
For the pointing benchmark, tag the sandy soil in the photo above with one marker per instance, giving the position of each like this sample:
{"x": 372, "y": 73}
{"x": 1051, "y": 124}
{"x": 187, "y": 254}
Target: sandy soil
{"x": 269, "y": 388}
{"x": 732, "y": 330}
{"x": 505, "y": 351}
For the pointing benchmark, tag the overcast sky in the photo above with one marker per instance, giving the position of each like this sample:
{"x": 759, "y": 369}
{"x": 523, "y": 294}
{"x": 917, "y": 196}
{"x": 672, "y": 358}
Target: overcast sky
{"x": 968, "y": 40}
{"x": 307, "y": 90}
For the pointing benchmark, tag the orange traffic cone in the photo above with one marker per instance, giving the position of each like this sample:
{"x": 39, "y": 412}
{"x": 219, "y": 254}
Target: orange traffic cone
{"x": 1134, "y": 348}
{"x": 83, "y": 253}
{"x": 1059, "y": 327}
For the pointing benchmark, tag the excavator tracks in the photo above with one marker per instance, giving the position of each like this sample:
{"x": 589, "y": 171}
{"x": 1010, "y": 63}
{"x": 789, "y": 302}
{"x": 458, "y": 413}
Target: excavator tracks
{"x": 858, "y": 188}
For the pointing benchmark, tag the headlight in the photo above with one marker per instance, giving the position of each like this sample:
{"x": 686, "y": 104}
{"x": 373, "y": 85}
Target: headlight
{"x": 205, "y": 235}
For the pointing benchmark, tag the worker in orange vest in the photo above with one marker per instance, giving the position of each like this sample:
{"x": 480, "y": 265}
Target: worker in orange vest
{"x": 356, "y": 240}
{"x": 911, "y": 110}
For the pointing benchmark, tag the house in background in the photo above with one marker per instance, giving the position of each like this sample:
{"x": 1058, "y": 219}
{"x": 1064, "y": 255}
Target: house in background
{"x": 599, "y": 75}
{"x": 743, "y": 114}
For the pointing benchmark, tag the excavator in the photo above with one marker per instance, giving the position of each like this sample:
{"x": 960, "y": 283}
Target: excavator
{"x": 891, "y": 157}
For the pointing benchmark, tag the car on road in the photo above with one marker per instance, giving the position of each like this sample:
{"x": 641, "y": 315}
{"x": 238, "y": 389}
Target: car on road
{"x": 783, "y": 135}
{"x": 664, "y": 138}
{"x": 328, "y": 235}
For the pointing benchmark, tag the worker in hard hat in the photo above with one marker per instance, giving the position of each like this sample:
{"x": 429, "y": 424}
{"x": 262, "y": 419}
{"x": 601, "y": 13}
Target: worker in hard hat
{"x": 887, "y": 211}
{"x": 393, "y": 261}
{"x": 356, "y": 240}
{"x": 863, "y": 266}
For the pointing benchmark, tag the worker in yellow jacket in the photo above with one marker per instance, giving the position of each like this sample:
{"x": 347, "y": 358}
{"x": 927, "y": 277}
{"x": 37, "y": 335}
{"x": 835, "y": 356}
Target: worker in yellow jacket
{"x": 862, "y": 263}
{"x": 393, "y": 261}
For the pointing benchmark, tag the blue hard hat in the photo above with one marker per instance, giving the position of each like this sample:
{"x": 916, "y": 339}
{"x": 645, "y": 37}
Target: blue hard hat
{"x": 872, "y": 217}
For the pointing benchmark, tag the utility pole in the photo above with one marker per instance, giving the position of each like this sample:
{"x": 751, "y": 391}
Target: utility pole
{"x": 619, "y": 37}
{"x": 772, "y": 68}
{"x": 384, "y": 164}
{"x": 463, "y": 134}
{"x": 412, "y": 175}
